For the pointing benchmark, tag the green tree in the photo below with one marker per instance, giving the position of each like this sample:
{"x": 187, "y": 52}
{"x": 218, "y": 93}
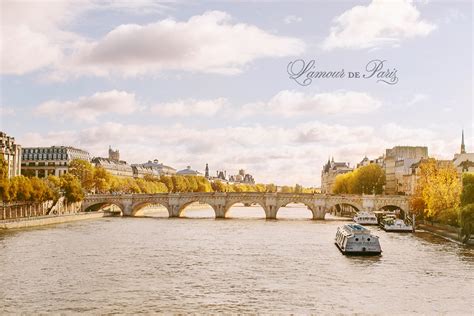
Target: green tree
{"x": 466, "y": 221}
{"x": 467, "y": 195}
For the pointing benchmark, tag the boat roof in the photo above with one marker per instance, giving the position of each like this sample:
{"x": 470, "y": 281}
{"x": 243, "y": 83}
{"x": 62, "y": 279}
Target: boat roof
{"x": 355, "y": 228}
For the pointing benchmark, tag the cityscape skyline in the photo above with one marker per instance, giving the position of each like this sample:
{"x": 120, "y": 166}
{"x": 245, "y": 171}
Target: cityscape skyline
{"x": 90, "y": 88}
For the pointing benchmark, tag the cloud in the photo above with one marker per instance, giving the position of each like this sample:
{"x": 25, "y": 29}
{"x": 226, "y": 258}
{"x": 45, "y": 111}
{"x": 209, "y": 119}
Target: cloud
{"x": 289, "y": 103}
{"x": 33, "y": 35}
{"x": 89, "y": 108}
{"x": 190, "y": 107}
{"x": 272, "y": 154}
{"x": 289, "y": 19}
{"x": 380, "y": 23}
{"x": 417, "y": 98}
{"x": 209, "y": 43}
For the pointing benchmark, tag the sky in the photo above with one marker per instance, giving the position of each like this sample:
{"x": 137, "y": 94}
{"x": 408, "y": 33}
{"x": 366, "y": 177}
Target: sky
{"x": 196, "y": 82}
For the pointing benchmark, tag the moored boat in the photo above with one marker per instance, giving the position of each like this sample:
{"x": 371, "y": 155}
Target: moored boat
{"x": 390, "y": 224}
{"x": 355, "y": 239}
{"x": 366, "y": 218}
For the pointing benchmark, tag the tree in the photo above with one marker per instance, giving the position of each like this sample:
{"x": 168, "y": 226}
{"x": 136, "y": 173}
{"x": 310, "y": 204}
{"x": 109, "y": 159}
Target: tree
{"x": 218, "y": 186}
{"x": 343, "y": 183}
{"x": 20, "y": 188}
{"x": 467, "y": 195}
{"x": 71, "y": 186}
{"x": 368, "y": 179}
{"x": 271, "y": 188}
{"x": 84, "y": 171}
{"x": 168, "y": 182}
{"x": 179, "y": 183}
{"x": 102, "y": 180}
{"x": 3, "y": 169}
{"x": 466, "y": 221}
{"x": 443, "y": 190}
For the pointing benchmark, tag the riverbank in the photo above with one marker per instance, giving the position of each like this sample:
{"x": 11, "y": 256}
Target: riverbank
{"x": 49, "y": 220}
{"x": 445, "y": 231}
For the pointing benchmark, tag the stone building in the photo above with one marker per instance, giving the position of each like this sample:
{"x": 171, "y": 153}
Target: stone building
{"x": 158, "y": 167}
{"x": 464, "y": 161}
{"x": 11, "y": 154}
{"x": 140, "y": 171}
{"x": 397, "y": 162}
{"x": 242, "y": 177}
{"x": 44, "y": 161}
{"x": 114, "y": 165}
{"x": 188, "y": 172}
{"x": 329, "y": 173}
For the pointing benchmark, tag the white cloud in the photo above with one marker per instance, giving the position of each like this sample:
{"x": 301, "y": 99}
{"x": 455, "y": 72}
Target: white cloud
{"x": 190, "y": 107}
{"x": 272, "y": 154}
{"x": 205, "y": 43}
{"x": 380, "y": 23}
{"x": 292, "y": 103}
{"x": 89, "y": 108}
{"x": 417, "y": 98}
{"x": 289, "y": 19}
{"x": 33, "y": 35}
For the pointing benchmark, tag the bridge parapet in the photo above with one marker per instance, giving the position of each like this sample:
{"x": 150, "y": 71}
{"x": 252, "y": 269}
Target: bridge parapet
{"x": 221, "y": 202}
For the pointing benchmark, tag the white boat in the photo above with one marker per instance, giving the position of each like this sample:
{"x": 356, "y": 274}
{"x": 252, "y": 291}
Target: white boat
{"x": 355, "y": 239}
{"x": 390, "y": 224}
{"x": 366, "y": 218}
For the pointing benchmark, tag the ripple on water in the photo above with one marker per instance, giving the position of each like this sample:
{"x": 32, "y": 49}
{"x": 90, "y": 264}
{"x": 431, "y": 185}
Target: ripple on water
{"x": 239, "y": 265}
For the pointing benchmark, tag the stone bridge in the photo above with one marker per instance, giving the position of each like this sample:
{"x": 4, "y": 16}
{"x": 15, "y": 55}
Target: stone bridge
{"x": 175, "y": 203}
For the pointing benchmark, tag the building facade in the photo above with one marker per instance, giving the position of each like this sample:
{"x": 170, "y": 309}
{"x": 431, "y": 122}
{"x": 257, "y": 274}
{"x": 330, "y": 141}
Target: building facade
{"x": 11, "y": 154}
{"x": 464, "y": 161}
{"x": 44, "y": 161}
{"x": 188, "y": 172}
{"x": 329, "y": 173}
{"x": 114, "y": 165}
{"x": 158, "y": 167}
{"x": 397, "y": 162}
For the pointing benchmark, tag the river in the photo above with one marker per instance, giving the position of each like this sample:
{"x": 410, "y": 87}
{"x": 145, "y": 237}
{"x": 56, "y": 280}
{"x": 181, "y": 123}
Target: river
{"x": 244, "y": 264}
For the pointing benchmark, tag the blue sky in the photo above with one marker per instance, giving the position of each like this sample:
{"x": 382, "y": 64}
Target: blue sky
{"x": 193, "y": 83}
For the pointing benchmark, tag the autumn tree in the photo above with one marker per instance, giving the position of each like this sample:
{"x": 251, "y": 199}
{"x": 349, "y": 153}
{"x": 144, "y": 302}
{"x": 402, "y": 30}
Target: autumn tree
{"x": 368, "y": 179}
{"x": 84, "y": 171}
{"x": 343, "y": 183}
{"x": 102, "y": 180}
{"x": 72, "y": 188}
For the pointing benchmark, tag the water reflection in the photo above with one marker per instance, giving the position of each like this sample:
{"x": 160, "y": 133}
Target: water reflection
{"x": 236, "y": 265}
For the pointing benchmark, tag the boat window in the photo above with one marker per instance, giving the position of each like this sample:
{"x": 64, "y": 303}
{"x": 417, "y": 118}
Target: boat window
{"x": 368, "y": 239}
{"x": 357, "y": 239}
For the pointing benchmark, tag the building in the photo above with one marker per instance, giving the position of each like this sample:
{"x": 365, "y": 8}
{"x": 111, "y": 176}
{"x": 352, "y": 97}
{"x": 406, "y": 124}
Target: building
{"x": 397, "y": 162}
{"x": 11, "y": 154}
{"x": 158, "y": 167}
{"x": 44, "y": 161}
{"x": 114, "y": 165}
{"x": 188, "y": 172}
{"x": 366, "y": 161}
{"x": 329, "y": 173}
{"x": 464, "y": 161}
{"x": 242, "y": 177}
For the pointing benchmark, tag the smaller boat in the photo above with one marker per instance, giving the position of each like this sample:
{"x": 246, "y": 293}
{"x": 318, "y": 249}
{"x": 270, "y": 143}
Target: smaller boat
{"x": 355, "y": 239}
{"x": 393, "y": 224}
{"x": 366, "y": 218}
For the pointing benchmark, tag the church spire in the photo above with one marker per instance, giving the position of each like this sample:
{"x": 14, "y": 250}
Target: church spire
{"x": 463, "y": 147}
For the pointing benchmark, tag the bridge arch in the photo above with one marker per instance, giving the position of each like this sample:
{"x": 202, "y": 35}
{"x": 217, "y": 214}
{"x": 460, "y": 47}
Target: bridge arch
{"x": 309, "y": 205}
{"x": 229, "y": 205}
{"x": 393, "y": 207}
{"x": 97, "y": 206}
{"x": 182, "y": 207}
{"x": 137, "y": 208}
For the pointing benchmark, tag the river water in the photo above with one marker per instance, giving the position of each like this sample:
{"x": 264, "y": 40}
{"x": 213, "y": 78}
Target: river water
{"x": 239, "y": 265}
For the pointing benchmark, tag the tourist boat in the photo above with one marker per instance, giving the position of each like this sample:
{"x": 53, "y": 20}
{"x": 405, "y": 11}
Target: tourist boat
{"x": 355, "y": 239}
{"x": 393, "y": 224}
{"x": 366, "y": 218}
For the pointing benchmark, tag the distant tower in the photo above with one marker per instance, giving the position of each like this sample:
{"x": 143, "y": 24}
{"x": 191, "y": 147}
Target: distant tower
{"x": 207, "y": 171}
{"x": 463, "y": 147}
{"x": 114, "y": 155}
